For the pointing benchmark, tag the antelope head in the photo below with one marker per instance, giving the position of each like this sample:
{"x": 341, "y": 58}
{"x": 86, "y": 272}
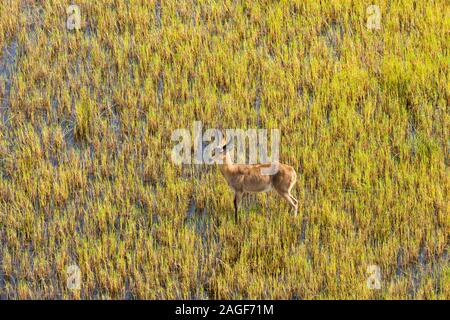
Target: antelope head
{"x": 221, "y": 153}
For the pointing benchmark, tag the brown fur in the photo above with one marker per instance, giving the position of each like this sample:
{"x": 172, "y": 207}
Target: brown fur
{"x": 248, "y": 178}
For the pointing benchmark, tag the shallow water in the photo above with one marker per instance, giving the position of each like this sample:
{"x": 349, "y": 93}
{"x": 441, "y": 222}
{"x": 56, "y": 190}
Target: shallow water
{"x": 417, "y": 270}
{"x": 8, "y": 64}
{"x": 258, "y": 106}
{"x": 199, "y": 219}
{"x": 333, "y": 36}
{"x": 158, "y": 13}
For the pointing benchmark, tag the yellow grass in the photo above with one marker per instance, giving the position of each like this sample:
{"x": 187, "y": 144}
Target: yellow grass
{"x": 85, "y": 142}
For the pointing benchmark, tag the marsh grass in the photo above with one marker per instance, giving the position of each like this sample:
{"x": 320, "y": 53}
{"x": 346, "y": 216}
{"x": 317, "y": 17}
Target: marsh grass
{"x": 85, "y": 170}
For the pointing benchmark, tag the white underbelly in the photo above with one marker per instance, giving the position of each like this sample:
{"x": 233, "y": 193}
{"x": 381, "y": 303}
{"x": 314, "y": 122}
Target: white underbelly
{"x": 266, "y": 188}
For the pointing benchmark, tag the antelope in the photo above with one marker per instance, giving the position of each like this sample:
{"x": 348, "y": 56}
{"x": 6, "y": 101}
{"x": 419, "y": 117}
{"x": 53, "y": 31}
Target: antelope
{"x": 253, "y": 178}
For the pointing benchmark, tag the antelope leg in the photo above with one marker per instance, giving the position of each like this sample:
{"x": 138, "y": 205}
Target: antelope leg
{"x": 291, "y": 202}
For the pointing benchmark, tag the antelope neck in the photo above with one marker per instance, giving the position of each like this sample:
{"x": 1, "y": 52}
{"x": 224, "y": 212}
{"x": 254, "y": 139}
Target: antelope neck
{"x": 227, "y": 165}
